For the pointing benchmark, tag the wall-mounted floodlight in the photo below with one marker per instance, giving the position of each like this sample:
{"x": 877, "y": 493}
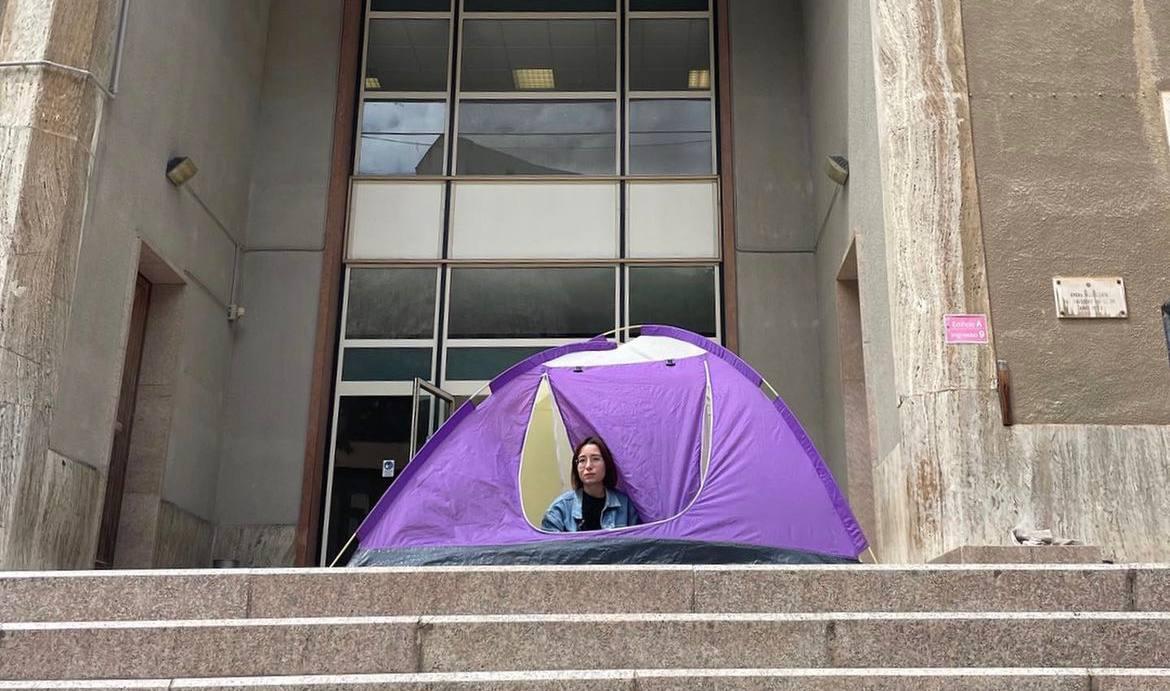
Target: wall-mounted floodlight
{"x": 180, "y": 169}
{"x": 837, "y": 168}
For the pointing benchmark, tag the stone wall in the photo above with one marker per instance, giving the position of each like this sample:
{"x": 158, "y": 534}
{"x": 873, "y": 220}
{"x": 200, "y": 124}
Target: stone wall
{"x": 957, "y": 476}
{"x": 267, "y": 406}
{"x": 48, "y": 119}
{"x": 774, "y": 225}
{"x": 1073, "y": 171}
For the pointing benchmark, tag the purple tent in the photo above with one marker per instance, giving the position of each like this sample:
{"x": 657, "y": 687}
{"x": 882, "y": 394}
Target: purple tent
{"x": 718, "y": 470}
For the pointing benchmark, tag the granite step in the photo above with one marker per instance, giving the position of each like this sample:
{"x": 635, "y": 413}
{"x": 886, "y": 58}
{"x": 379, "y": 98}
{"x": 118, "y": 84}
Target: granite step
{"x": 258, "y": 647}
{"x": 867, "y": 679}
{"x": 278, "y": 593}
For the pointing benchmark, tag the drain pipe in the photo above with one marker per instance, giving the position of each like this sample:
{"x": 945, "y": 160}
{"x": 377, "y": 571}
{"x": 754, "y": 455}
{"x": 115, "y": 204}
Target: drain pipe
{"x": 117, "y": 70}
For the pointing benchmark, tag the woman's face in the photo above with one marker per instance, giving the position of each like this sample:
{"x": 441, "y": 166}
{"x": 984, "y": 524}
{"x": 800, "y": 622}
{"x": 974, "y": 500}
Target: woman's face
{"x": 590, "y": 465}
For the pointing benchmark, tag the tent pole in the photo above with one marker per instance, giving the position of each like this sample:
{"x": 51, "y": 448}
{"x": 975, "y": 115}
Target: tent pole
{"x": 872, "y": 555}
{"x": 347, "y": 544}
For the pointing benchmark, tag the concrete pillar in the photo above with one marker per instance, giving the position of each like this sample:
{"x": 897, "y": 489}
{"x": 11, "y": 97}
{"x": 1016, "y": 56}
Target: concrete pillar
{"x": 49, "y": 115}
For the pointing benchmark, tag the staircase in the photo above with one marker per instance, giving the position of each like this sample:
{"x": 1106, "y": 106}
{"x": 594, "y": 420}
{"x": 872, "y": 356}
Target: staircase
{"x": 1083, "y": 627}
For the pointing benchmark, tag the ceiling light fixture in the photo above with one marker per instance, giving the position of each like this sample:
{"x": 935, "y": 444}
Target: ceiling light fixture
{"x": 699, "y": 79}
{"x": 527, "y": 78}
{"x": 373, "y": 83}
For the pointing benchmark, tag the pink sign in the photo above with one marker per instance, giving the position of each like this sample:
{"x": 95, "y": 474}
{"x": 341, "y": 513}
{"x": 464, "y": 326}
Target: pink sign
{"x": 966, "y": 328}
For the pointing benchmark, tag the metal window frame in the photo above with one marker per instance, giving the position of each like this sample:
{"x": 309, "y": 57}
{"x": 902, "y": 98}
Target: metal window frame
{"x": 452, "y": 98}
{"x": 627, "y": 189}
{"x": 365, "y": 95}
{"x": 693, "y": 95}
{"x": 716, "y": 276}
{"x": 345, "y": 389}
{"x": 454, "y": 185}
{"x": 460, "y": 95}
{"x": 521, "y": 341}
{"x": 347, "y": 240}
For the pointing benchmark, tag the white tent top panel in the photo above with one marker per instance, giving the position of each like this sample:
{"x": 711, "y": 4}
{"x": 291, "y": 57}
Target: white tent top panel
{"x": 640, "y": 349}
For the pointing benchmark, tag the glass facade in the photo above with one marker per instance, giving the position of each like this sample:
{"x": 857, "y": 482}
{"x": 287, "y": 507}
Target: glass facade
{"x": 528, "y": 173}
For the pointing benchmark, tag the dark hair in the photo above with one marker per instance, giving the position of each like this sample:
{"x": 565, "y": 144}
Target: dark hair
{"x": 611, "y": 471}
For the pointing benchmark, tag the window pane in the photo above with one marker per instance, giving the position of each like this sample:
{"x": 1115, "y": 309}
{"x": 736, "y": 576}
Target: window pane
{"x": 410, "y": 5}
{"x": 531, "y": 302}
{"x": 508, "y": 220}
{"x": 540, "y": 6}
{"x": 386, "y": 364}
{"x": 673, "y": 219}
{"x": 482, "y": 364}
{"x": 668, "y": 5}
{"x": 391, "y": 303}
{"x": 682, "y": 296}
{"x": 391, "y": 219}
{"x": 539, "y": 55}
{"x": 402, "y": 138}
{"x": 669, "y": 55}
{"x": 670, "y": 137}
{"x": 407, "y": 55}
{"x": 537, "y": 138}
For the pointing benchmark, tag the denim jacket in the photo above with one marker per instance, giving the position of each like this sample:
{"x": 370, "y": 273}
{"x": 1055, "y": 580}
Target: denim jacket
{"x": 564, "y": 514}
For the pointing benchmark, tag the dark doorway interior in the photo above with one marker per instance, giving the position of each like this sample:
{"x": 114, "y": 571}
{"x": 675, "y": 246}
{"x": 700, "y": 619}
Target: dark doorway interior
{"x": 120, "y": 449}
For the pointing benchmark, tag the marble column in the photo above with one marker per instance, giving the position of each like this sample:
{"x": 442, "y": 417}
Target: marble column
{"x": 49, "y": 116}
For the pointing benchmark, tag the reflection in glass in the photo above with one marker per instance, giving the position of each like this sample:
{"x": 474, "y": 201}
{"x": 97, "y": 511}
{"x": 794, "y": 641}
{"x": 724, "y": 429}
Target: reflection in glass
{"x": 669, "y": 55}
{"x": 410, "y": 5}
{"x": 386, "y": 364}
{"x": 402, "y": 138}
{"x": 670, "y": 137}
{"x": 682, "y": 296}
{"x": 484, "y": 364}
{"x": 391, "y": 303}
{"x": 407, "y": 55}
{"x": 537, "y": 138}
{"x": 531, "y": 302}
{"x": 540, "y": 5}
{"x": 668, "y": 5}
{"x": 539, "y": 55}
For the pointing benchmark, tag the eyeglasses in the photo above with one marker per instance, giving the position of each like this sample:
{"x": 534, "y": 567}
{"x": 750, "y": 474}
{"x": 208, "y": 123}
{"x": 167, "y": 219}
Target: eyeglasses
{"x": 590, "y": 460}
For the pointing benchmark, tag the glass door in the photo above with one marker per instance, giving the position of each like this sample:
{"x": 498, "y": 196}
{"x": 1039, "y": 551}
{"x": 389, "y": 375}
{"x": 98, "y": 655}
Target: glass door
{"x": 430, "y": 407}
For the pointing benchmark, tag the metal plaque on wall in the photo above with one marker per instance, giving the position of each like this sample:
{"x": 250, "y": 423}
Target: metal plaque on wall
{"x": 1089, "y": 297}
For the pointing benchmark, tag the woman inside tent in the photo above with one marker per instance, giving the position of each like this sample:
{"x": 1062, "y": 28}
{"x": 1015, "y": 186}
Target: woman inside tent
{"x": 594, "y": 503}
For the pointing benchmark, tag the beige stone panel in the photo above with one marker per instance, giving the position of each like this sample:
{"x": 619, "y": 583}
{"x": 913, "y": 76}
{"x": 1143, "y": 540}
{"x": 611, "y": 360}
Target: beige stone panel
{"x": 255, "y": 545}
{"x": 933, "y": 244}
{"x": 55, "y": 517}
{"x": 1033, "y": 46}
{"x": 24, "y": 411}
{"x": 137, "y": 531}
{"x": 84, "y": 35}
{"x": 961, "y": 478}
{"x": 150, "y": 440}
{"x": 46, "y": 214}
{"x": 184, "y": 540}
{"x": 50, "y": 100}
{"x": 24, "y": 29}
{"x": 1110, "y": 485}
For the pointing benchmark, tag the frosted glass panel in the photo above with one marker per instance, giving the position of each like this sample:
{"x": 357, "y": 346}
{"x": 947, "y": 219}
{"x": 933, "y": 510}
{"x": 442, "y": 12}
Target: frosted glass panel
{"x": 528, "y": 219}
{"x": 395, "y": 220}
{"x": 673, "y": 219}
{"x": 682, "y": 296}
{"x": 391, "y": 303}
{"x": 531, "y": 302}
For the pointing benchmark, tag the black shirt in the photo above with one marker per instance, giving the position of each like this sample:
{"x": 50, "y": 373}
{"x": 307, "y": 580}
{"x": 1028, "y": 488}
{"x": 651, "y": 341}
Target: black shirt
{"x": 591, "y": 508}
